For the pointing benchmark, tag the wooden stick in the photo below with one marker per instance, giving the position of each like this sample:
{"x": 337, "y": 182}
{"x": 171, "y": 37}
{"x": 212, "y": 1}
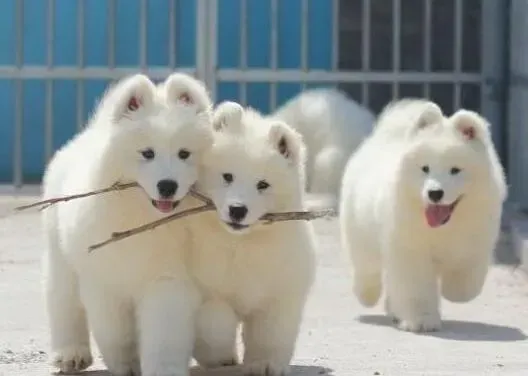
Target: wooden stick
{"x": 267, "y": 218}
{"x": 52, "y": 201}
{"x": 116, "y": 236}
{"x": 208, "y": 205}
{"x": 113, "y": 188}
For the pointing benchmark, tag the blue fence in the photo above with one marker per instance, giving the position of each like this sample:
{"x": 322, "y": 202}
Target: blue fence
{"x": 109, "y": 34}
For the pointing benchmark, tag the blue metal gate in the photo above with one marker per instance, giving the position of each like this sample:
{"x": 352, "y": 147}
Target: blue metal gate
{"x": 56, "y": 57}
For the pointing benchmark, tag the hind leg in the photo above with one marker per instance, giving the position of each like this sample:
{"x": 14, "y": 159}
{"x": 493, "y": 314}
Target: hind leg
{"x": 70, "y": 340}
{"x": 327, "y": 171}
{"x": 215, "y": 344}
{"x": 367, "y": 275}
{"x": 366, "y": 262}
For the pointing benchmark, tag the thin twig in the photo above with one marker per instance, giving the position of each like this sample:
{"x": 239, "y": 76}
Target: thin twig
{"x": 208, "y": 206}
{"x": 297, "y": 216}
{"x": 113, "y": 188}
{"x": 47, "y": 203}
{"x": 116, "y": 236}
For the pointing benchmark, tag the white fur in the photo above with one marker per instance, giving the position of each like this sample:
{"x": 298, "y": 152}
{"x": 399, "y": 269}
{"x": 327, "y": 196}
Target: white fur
{"x": 383, "y": 223}
{"x": 135, "y": 294}
{"x": 259, "y": 275}
{"x": 332, "y": 126}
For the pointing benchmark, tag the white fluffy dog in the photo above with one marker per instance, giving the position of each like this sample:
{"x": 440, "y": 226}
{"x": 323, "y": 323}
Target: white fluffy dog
{"x": 135, "y": 294}
{"x": 250, "y": 272}
{"x": 422, "y": 200}
{"x": 332, "y": 127}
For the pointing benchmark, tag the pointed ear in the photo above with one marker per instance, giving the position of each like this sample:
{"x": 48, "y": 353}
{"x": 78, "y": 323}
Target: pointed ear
{"x": 185, "y": 90}
{"x": 287, "y": 141}
{"x": 227, "y": 115}
{"x": 431, "y": 114}
{"x": 130, "y": 96}
{"x": 470, "y": 125}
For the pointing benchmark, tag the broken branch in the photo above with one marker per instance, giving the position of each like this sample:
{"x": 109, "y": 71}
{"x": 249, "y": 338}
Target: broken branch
{"x": 209, "y": 206}
{"x": 116, "y": 236}
{"x": 51, "y": 201}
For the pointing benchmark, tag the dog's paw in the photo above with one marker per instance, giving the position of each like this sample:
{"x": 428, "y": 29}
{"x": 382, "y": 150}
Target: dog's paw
{"x": 72, "y": 359}
{"x": 219, "y": 363}
{"x": 427, "y": 323}
{"x": 265, "y": 368}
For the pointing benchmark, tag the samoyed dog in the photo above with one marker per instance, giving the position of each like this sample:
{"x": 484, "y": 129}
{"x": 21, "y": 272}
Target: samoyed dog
{"x": 134, "y": 295}
{"x": 249, "y": 272}
{"x": 332, "y": 127}
{"x": 422, "y": 202}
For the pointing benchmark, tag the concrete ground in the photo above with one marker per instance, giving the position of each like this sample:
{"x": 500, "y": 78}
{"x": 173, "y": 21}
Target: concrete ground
{"x": 339, "y": 337}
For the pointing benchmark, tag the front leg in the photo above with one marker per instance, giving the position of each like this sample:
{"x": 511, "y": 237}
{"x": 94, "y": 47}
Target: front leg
{"x": 112, "y": 322}
{"x": 70, "y": 339}
{"x": 462, "y": 280}
{"x": 412, "y": 290}
{"x": 270, "y": 336}
{"x": 166, "y": 327}
{"x": 215, "y": 344}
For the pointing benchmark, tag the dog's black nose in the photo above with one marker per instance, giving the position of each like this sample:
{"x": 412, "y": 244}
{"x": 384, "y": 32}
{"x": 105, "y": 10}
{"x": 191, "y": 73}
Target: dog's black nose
{"x": 167, "y": 188}
{"x": 435, "y": 195}
{"x": 237, "y": 212}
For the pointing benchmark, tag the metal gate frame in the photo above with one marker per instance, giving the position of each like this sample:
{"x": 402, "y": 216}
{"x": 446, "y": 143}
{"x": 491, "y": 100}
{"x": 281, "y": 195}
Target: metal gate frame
{"x": 491, "y": 78}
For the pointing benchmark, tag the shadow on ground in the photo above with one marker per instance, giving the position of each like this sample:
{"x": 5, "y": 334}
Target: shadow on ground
{"x": 237, "y": 371}
{"x": 460, "y": 330}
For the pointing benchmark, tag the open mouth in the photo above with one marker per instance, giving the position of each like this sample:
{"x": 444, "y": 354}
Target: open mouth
{"x": 236, "y": 226}
{"x": 165, "y": 206}
{"x": 439, "y": 215}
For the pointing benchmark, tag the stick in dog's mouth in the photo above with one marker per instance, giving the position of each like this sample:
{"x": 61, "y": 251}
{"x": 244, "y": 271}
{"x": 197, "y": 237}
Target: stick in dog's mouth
{"x": 208, "y": 205}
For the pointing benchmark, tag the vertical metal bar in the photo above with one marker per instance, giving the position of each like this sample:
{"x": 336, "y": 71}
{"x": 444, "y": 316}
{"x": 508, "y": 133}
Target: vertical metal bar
{"x": 243, "y": 49}
{"x": 274, "y": 51}
{"x": 48, "y": 127}
{"x": 172, "y": 34}
{"x": 19, "y": 93}
{"x": 494, "y": 70}
{"x": 458, "y": 52}
{"x": 428, "y": 16}
{"x": 335, "y": 35}
{"x": 396, "y": 41}
{"x": 143, "y": 24}
{"x": 111, "y": 33}
{"x": 201, "y": 40}
{"x": 212, "y": 47}
{"x": 304, "y": 38}
{"x": 365, "y": 48}
{"x": 80, "y": 63}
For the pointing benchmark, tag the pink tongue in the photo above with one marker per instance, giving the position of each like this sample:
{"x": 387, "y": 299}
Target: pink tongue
{"x": 164, "y": 206}
{"x": 437, "y": 214}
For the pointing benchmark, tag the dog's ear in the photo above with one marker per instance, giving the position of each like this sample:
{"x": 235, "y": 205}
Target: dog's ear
{"x": 287, "y": 141}
{"x": 227, "y": 115}
{"x": 129, "y": 96}
{"x": 431, "y": 114}
{"x": 470, "y": 125}
{"x": 182, "y": 89}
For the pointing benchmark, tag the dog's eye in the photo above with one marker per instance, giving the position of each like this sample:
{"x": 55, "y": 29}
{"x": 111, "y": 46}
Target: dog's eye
{"x": 455, "y": 171}
{"x": 228, "y": 178}
{"x": 184, "y": 154}
{"x": 148, "y": 153}
{"x": 425, "y": 169}
{"x": 262, "y": 185}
